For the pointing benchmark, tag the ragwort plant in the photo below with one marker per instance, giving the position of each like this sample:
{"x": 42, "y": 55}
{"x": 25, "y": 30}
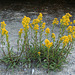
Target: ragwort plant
{"x": 9, "y": 57}
{"x": 50, "y": 54}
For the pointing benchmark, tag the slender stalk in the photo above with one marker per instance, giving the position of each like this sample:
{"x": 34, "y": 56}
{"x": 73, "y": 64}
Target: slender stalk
{"x": 48, "y": 59}
{"x": 68, "y": 49}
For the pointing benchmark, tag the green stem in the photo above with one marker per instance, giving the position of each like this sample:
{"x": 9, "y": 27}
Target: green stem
{"x": 53, "y": 28}
{"x": 35, "y": 40}
{"x": 9, "y": 49}
{"x": 48, "y": 58}
{"x": 40, "y": 32}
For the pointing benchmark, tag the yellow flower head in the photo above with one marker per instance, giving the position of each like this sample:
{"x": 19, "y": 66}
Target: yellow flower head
{"x": 47, "y": 30}
{"x": 70, "y": 23}
{"x": 53, "y": 35}
{"x": 61, "y": 20}
{"x": 55, "y": 21}
{"x": 67, "y": 14}
{"x": 3, "y": 31}
{"x": 3, "y": 24}
{"x": 39, "y": 53}
{"x": 30, "y": 25}
{"x": 6, "y": 32}
{"x": 36, "y": 27}
{"x": 74, "y": 21}
{"x": 69, "y": 29}
{"x": 73, "y": 34}
{"x": 70, "y": 38}
{"x": 73, "y": 28}
{"x": 43, "y": 25}
{"x": 66, "y": 19}
{"x": 25, "y": 22}
{"x": 35, "y": 21}
{"x": 40, "y": 16}
{"x": 47, "y": 43}
{"x": 42, "y": 44}
{"x": 20, "y": 32}
{"x": 65, "y": 39}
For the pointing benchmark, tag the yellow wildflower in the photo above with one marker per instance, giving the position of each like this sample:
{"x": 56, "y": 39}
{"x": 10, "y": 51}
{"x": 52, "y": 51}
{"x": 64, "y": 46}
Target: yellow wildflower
{"x": 53, "y": 35}
{"x": 30, "y": 25}
{"x": 48, "y": 43}
{"x": 47, "y": 30}
{"x": 73, "y": 28}
{"x": 66, "y": 19}
{"x": 25, "y": 22}
{"x": 67, "y": 14}
{"x": 70, "y": 23}
{"x": 60, "y": 20}
{"x": 39, "y": 53}
{"x": 36, "y": 31}
{"x": 43, "y": 25}
{"x": 35, "y": 21}
{"x": 70, "y": 38}
{"x": 36, "y": 27}
{"x": 20, "y": 32}
{"x": 3, "y": 31}
{"x": 73, "y": 36}
{"x": 40, "y": 16}
{"x": 42, "y": 44}
{"x": 3, "y": 24}
{"x": 55, "y": 21}
{"x": 69, "y": 29}
{"x": 6, "y": 32}
{"x": 74, "y": 21}
{"x": 65, "y": 40}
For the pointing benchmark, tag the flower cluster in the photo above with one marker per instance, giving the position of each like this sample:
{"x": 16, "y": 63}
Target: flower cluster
{"x": 73, "y": 28}
{"x": 3, "y": 24}
{"x": 74, "y": 21}
{"x": 35, "y": 21}
{"x": 70, "y": 37}
{"x": 47, "y": 30}
{"x": 73, "y": 34}
{"x": 36, "y": 27}
{"x": 3, "y": 30}
{"x": 20, "y": 32}
{"x": 53, "y": 36}
{"x": 55, "y": 21}
{"x": 48, "y": 43}
{"x": 65, "y": 19}
{"x": 30, "y": 26}
{"x": 65, "y": 40}
{"x": 25, "y": 22}
{"x": 43, "y": 25}
{"x": 70, "y": 29}
{"x": 40, "y": 16}
{"x": 39, "y": 53}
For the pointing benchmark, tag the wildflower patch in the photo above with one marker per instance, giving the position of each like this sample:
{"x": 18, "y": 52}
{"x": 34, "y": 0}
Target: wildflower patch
{"x": 47, "y": 55}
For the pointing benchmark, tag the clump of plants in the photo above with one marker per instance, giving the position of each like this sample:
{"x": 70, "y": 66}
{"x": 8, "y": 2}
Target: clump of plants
{"x": 49, "y": 54}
